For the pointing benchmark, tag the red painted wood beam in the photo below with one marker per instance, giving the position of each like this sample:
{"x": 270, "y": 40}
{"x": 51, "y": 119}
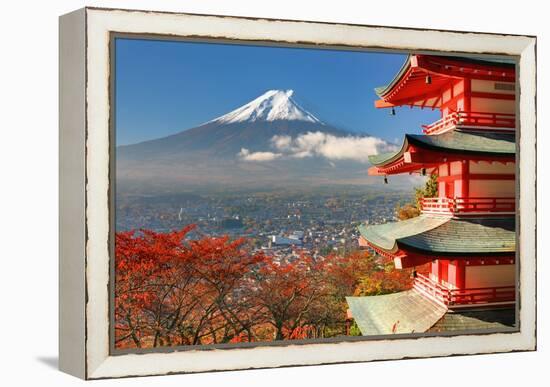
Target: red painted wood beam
{"x": 477, "y": 176}
{"x": 381, "y": 104}
{"x": 436, "y": 102}
{"x": 398, "y": 85}
{"x": 465, "y": 65}
{"x": 415, "y": 158}
{"x": 453, "y": 100}
{"x": 440, "y": 69}
{"x": 375, "y": 171}
{"x": 408, "y": 261}
{"x": 416, "y": 98}
{"x": 489, "y": 261}
{"x": 480, "y": 94}
{"x": 451, "y": 69}
{"x": 468, "y": 66}
{"x": 363, "y": 242}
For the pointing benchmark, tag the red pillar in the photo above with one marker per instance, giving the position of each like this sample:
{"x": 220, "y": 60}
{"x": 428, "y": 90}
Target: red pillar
{"x": 467, "y": 95}
{"x": 435, "y": 268}
{"x": 465, "y": 192}
{"x": 460, "y": 274}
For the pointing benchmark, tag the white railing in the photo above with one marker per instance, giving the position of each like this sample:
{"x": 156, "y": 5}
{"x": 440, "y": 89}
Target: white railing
{"x": 467, "y": 296}
{"x": 459, "y": 205}
{"x": 479, "y": 120}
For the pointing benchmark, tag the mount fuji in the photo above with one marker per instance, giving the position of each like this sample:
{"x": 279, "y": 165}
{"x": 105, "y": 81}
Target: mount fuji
{"x": 270, "y": 141}
{"x": 274, "y": 105}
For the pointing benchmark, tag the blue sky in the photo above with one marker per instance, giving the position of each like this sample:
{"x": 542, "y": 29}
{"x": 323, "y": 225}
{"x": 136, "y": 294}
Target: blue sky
{"x": 165, "y": 87}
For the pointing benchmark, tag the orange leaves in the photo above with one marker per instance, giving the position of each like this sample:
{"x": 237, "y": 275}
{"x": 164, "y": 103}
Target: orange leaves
{"x": 290, "y": 291}
{"x": 384, "y": 279}
{"x": 171, "y": 290}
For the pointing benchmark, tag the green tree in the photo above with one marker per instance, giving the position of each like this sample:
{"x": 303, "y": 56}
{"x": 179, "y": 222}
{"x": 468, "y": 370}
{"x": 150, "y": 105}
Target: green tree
{"x": 411, "y": 210}
{"x": 428, "y": 191}
{"x": 354, "y": 330}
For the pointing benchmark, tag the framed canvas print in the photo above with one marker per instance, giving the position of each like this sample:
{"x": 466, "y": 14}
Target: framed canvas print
{"x": 242, "y": 193}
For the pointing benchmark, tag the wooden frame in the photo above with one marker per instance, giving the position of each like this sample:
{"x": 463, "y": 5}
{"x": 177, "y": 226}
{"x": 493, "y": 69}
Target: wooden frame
{"x": 85, "y": 186}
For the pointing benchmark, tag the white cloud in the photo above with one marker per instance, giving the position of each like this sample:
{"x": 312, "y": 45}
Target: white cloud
{"x": 332, "y": 147}
{"x": 281, "y": 142}
{"x": 246, "y": 155}
{"x": 357, "y": 148}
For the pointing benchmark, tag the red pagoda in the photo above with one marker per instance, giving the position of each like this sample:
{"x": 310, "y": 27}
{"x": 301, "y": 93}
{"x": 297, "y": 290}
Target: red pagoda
{"x": 466, "y": 234}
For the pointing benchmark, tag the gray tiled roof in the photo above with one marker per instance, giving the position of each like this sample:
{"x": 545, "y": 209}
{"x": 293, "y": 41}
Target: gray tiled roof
{"x": 412, "y": 312}
{"x": 475, "y": 319}
{"x": 383, "y": 158}
{"x": 455, "y": 141}
{"x": 407, "y": 311}
{"x": 445, "y": 235}
{"x": 467, "y": 235}
{"x": 385, "y": 235}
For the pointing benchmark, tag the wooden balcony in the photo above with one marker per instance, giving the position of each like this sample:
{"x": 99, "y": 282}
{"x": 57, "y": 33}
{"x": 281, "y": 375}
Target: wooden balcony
{"x": 469, "y": 296}
{"x": 468, "y": 206}
{"x": 478, "y": 120}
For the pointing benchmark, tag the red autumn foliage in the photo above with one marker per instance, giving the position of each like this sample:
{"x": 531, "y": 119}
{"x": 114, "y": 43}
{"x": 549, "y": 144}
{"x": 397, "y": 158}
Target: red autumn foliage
{"x": 174, "y": 291}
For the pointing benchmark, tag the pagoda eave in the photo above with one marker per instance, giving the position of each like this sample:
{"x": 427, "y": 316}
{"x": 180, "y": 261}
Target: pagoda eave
{"x": 409, "y": 87}
{"x": 405, "y": 258}
{"x": 429, "y": 151}
{"x": 419, "y": 240}
{"x": 409, "y": 163}
{"x": 402, "y": 259}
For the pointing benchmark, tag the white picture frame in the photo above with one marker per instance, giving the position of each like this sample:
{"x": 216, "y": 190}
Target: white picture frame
{"x": 85, "y": 136}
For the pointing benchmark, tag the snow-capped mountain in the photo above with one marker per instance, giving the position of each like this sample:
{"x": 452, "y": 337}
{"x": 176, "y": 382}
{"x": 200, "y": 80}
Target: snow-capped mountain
{"x": 251, "y": 126}
{"x": 273, "y": 105}
{"x": 270, "y": 140}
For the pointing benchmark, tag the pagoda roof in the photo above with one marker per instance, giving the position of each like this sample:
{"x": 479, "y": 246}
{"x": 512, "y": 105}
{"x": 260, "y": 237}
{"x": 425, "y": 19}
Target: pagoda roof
{"x": 446, "y": 236}
{"x": 475, "y": 319}
{"x": 404, "y": 87}
{"x": 402, "y": 312}
{"x": 459, "y": 142}
{"x": 412, "y": 312}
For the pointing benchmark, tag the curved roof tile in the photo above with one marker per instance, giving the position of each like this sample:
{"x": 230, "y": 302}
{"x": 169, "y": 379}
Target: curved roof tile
{"x": 463, "y": 142}
{"x": 437, "y": 235}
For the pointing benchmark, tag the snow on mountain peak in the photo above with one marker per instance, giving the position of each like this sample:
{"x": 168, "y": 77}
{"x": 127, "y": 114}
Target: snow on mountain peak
{"x": 273, "y": 105}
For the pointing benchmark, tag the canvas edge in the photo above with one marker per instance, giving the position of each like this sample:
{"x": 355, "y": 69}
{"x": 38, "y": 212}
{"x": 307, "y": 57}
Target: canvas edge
{"x": 527, "y": 213}
{"x": 72, "y": 225}
{"x": 102, "y": 365}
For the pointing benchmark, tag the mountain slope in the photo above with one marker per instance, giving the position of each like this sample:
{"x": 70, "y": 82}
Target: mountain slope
{"x": 223, "y": 141}
{"x": 251, "y": 126}
{"x": 212, "y": 153}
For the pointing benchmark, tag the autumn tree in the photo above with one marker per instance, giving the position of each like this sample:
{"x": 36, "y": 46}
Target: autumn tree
{"x": 172, "y": 290}
{"x": 146, "y": 280}
{"x": 225, "y": 267}
{"x": 169, "y": 292}
{"x": 342, "y": 276}
{"x": 287, "y": 290}
{"x": 411, "y": 210}
{"x": 385, "y": 279}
